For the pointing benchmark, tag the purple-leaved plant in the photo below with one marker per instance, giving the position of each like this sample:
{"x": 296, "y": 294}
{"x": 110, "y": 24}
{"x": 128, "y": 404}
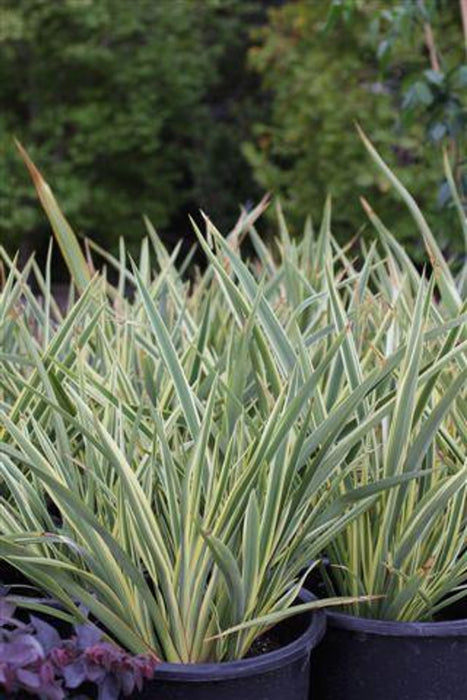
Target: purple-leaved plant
{"x": 35, "y": 659}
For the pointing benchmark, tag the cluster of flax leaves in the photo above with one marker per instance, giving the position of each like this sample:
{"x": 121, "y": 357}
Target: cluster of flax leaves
{"x": 174, "y": 455}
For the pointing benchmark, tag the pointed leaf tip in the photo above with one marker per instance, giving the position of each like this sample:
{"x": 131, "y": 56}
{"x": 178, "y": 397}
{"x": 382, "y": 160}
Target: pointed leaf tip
{"x": 66, "y": 238}
{"x": 366, "y": 206}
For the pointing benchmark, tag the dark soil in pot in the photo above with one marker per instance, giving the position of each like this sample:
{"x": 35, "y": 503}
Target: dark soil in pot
{"x": 281, "y": 674}
{"x": 361, "y": 659}
{"x": 457, "y": 611}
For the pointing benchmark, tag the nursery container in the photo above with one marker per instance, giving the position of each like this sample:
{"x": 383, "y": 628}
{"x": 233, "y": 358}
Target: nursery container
{"x": 282, "y": 674}
{"x": 382, "y": 660}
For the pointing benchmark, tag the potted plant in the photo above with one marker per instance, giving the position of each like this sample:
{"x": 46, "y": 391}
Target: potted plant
{"x": 175, "y": 485}
{"x": 173, "y": 459}
{"x": 409, "y": 551}
{"x": 157, "y": 527}
{"x": 409, "y": 548}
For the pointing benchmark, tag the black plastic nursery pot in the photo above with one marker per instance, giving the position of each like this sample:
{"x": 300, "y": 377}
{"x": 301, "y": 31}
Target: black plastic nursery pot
{"x": 362, "y": 659}
{"x": 282, "y": 674}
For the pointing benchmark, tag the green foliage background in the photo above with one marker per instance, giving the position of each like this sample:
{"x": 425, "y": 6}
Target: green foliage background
{"x": 164, "y": 107}
{"x": 123, "y": 106}
{"x": 324, "y": 76}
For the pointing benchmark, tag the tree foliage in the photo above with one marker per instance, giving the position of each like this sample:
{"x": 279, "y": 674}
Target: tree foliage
{"x": 135, "y": 108}
{"x": 122, "y": 105}
{"x": 329, "y": 65}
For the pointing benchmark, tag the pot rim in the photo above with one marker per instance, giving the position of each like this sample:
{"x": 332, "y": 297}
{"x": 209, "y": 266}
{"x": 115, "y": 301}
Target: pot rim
{"x": 395, "y": 628}
{"x": 256, "y": 665}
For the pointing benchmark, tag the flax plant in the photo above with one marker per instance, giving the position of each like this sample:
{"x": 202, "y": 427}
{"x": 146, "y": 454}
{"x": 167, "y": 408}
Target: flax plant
{"x": 183, "y": 511}
{"x": 174, "y": 483}
{"x": 410, "y": 547}
{"x": 175, "y": 453}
